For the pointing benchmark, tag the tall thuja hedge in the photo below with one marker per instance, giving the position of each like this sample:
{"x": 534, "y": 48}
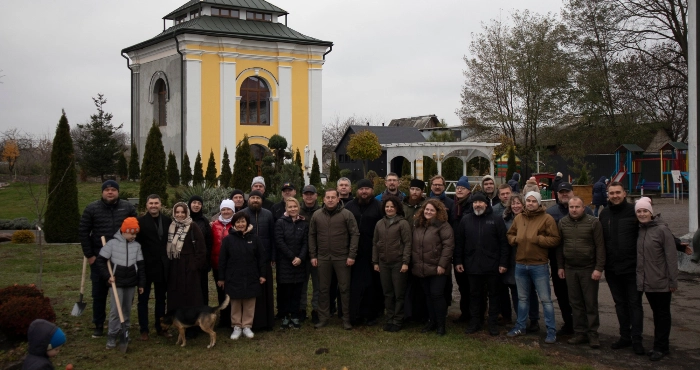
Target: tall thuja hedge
{"x": 244, "y": 168}
{"x": 210, "y": 177}
{"x": 122, "y": 168}
{"x": 154, "y": 179}
{"x": 225, "y": 179}
{"x": 198, "y": 174}
{"x": 334, "y": 174}
{"x": 315, "y": 178}
{"x": 173, "y": 173}
{"x": 134, "y": 169}
{"x": 62, "y": 215}
{"x": 186, "y": 171}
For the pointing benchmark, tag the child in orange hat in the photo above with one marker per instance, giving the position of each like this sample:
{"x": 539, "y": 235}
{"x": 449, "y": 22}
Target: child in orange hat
{"x": 124, "y": 253}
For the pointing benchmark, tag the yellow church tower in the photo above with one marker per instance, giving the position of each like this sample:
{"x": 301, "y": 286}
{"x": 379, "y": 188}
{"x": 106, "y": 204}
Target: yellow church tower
{"x": 223, "y": 69}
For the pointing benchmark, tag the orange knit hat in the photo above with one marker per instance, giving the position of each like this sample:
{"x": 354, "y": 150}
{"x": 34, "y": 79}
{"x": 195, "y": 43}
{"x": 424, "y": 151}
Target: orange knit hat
{"x": 130, "y": 225}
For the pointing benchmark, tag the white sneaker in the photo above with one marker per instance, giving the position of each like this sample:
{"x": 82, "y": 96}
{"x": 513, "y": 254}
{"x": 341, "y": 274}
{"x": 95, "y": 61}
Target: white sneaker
{"x": 236, "y": 333}
{"x": 248, "y": 333}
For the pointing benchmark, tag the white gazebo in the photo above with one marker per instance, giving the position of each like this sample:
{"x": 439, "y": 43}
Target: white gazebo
{"x": 439, "y": 151}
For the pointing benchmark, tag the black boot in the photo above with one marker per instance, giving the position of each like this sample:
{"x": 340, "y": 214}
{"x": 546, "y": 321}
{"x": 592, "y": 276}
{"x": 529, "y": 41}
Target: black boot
{"x": 429, "y": 326}
{"x": 441, "y": 327}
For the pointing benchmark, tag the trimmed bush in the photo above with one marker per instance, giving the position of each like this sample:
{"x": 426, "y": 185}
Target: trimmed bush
{"x": 18, "y": 313}
{"x": 23, "y": 237}
{"x": 15, "y": 291}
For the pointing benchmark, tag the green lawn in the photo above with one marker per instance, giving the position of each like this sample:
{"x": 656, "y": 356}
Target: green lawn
{"x": 362, "y": 348}
{"x": 17, "y": 201}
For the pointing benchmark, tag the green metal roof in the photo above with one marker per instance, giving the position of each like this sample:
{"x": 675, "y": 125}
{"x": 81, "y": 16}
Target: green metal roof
{"x": 233, "y": 27}
{"x": 241, "y": 4}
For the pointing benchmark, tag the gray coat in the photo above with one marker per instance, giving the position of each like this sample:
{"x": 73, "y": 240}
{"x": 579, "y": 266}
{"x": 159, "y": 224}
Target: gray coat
{"x": 126, "y": 259}
{"x": 657, "y": 259}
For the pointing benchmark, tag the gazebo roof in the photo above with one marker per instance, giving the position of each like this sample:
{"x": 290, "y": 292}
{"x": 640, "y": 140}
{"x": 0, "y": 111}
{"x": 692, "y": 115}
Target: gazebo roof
{"x": 634, "y": 148}
{"x": 674, "y": 145}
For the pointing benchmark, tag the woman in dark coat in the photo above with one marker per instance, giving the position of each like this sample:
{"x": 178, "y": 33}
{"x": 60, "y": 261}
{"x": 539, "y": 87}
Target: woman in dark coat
{"x": 600, "y": 195}
{"x": 292, "y": 243}
{"x": 195, "y": 205}
{"x": 431, "y": 254}
{"x": 242, "y": 271}
{"x": 187, "y": 252}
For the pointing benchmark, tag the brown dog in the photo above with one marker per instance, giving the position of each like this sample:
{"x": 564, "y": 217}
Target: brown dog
{"x": 203, "y": 316}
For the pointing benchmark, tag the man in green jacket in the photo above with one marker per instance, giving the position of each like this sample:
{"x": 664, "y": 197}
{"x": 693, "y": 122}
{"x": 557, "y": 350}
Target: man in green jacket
{"x": 581, "y": 261}
{"x": 333, "y": 238}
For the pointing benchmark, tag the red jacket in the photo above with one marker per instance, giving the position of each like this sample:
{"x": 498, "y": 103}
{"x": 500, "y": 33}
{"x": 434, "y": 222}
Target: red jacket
{"x": 218, "y": 233}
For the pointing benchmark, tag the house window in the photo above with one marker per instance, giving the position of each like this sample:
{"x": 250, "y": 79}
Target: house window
{"x": 227, "y": 13}
{"x": 180, "y": 19}
{"x": 194, "y": 14}
{"x": 255, "y": 16}
{"x": 161, "y": 97}
{"x": 255, "y": 102}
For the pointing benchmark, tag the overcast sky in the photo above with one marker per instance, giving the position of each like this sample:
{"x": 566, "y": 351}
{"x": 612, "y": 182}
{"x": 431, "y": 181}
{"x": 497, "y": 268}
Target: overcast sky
{"x": 390, "y": 59}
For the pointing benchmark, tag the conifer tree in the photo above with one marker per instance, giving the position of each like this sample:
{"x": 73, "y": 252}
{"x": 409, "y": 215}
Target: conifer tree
{"x": 210, "y": 177}
{"x": 225, "y": 179}
{"x": 173, "y": 173}
{"x": 122, "y": 169}
{"x": 62, "y": 214}
{"x": 297, "y": 162}
{"x": 315, "y": 178}
{"x": 154, "y": 179}
{"x": 244, "y": 168}
{"x": 186, "y": 171}
{"x": 134, "y": 170}
{"x": 99, "y": 147}
{"x": 334, "y": 174}
{"x": 198, "y": 174}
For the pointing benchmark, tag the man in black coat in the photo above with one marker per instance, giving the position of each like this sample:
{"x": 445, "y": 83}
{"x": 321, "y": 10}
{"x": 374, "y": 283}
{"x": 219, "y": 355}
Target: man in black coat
{"x": 620, "y": 229}
{"x": 264, "y": 227}
{"x": 154, "y": 241}
{"x": 366, "y": 295}
{"x": 558, "y": 211}
{"x": 309, "y": 205}
{"x": 101, "y": 218}
{"x": 482, "y": 251}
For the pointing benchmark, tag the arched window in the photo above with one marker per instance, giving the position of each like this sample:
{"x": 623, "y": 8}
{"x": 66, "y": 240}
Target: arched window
{"x": 160, "y": 93}
{"x": 255, "y": 102}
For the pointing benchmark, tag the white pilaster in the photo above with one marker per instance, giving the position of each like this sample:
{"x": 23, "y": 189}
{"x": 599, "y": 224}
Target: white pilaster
{"x": 284, "y": 93}
{"x": 193, "y": 106}
{"x": 315, "y": 114}
{"x": 693, "y": 116}
{"x": 228, "y": 109}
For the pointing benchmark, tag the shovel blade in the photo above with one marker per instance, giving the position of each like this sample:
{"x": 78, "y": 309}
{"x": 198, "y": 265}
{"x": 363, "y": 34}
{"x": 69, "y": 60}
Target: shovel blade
{"x": 124, "y": 339}
{"x": 78, "y": 308}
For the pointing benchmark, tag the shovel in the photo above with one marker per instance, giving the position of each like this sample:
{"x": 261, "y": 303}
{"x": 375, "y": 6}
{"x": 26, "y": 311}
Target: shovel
{"x": 124, "y": 334}
{"x": 80, "y": 305}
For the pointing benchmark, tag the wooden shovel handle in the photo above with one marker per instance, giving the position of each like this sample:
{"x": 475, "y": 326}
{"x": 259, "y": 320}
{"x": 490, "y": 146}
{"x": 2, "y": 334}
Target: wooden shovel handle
{"x": 82, "y": 279}
{"x": 114, "y": 288}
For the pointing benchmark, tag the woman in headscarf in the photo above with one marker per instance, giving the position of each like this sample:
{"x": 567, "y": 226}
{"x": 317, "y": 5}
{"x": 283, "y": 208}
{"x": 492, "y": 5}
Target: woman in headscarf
{"x": 219, "y": 230}
{"x": 187, "y": 253}
{"x": 196, "y": 205}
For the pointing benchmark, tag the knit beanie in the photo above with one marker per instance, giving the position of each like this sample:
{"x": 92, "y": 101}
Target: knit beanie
{"x": 59, "y": 337}
{"x": 193, "y": 198}
{"x": 479, "y": 196}
{"x": 534, "y": 194}
{"x": 643, "y": 203}
{"x": 236, "y": 192}
{"x": 258, "y": 180}
{"x": 110, "y": 184}
{"x": 365, "y": 183}
{"x": 464, "y": 181}
{"x": 227, "y": 203}
{"x": 255, "y": 193}
{"x": 130, "y": 225}
{"x": 415, "y": 183}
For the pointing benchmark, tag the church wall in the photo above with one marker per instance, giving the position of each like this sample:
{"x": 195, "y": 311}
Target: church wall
{"x": 145, "y": 111}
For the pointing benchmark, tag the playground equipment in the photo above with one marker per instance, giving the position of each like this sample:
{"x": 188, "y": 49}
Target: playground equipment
{"x": 626, "y": 164}
{"x": 673, "y": 156}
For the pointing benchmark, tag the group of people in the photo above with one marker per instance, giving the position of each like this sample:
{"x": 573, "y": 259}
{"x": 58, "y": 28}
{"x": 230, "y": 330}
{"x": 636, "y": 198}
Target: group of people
{"x": 390, "y": 256}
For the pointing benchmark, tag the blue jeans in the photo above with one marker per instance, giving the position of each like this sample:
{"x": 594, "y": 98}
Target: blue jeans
{"x": 539, "y": 276}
